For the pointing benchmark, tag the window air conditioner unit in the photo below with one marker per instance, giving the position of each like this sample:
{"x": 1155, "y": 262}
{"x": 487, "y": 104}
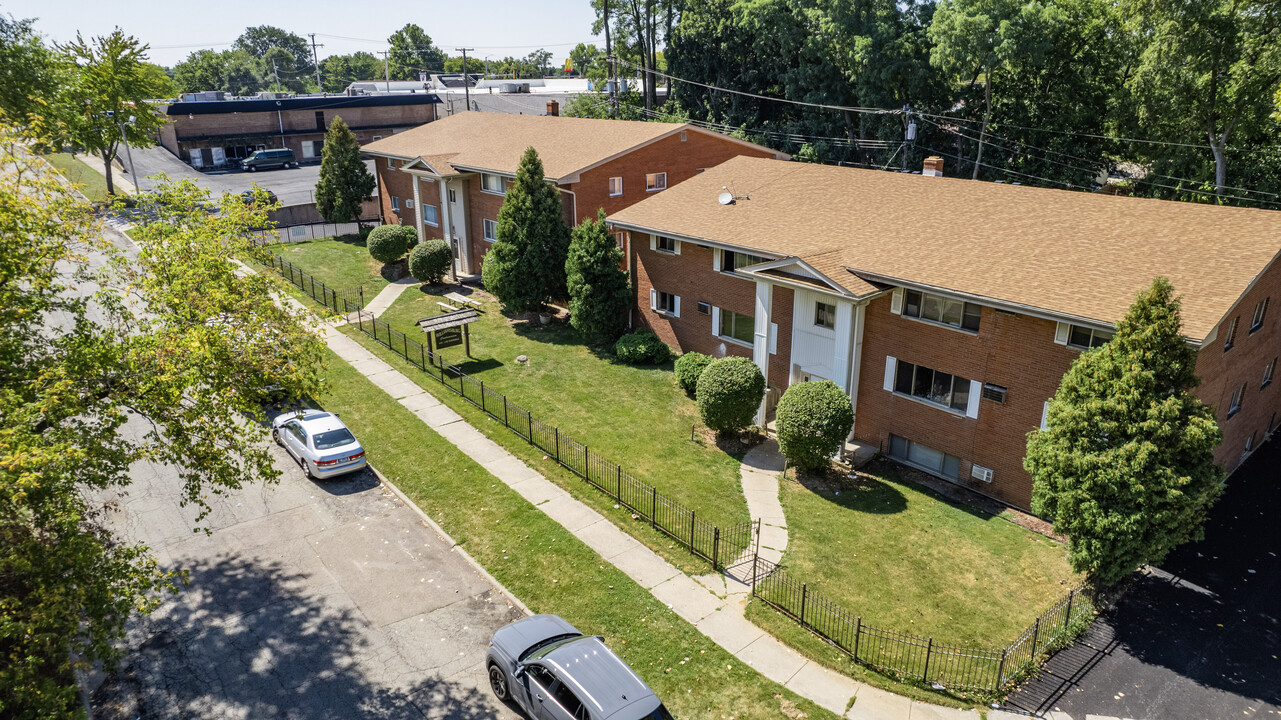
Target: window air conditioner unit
{"x": 409, "y": 204}
{"x": 981, "y": 473}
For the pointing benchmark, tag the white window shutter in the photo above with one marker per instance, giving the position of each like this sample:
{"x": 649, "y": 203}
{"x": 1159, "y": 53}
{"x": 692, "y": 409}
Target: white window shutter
{"x": 976, "y": 392}
{"x": 891, "y": 365}
{"x": 716, "y": 321}
{"x": 896, "y": 301}
{"x": 676, "y": 247}
{"x": 653, "y": 242}
{"x": 1045, "y": 416}
{"x": 716, "y": 259}
{"x": 653, "y": 299}
{"x": 1061, "y": 332}
{"x": 773, "y": 338}
{"x": 677, "y": 306}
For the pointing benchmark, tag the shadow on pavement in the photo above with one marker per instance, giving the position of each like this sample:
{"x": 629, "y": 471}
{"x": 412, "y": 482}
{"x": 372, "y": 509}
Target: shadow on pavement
{"x": 243, "y": 640}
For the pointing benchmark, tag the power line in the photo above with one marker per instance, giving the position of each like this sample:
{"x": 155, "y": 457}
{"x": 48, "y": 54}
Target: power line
{"x": 482, "y": 47}
{"x": 1068, "y": 132}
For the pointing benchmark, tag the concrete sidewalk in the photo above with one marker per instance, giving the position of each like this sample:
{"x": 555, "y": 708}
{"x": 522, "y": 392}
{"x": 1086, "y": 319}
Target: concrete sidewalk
{"x": 385, "y": 297}
{"x": 720, "y": 619}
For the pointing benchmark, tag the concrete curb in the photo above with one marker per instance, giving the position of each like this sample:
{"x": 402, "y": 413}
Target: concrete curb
{"x": 453, "y": 545}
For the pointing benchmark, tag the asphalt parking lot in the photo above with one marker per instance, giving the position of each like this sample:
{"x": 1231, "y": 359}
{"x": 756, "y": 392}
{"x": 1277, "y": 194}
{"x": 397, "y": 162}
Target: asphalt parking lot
{"x": 325, "y": 599}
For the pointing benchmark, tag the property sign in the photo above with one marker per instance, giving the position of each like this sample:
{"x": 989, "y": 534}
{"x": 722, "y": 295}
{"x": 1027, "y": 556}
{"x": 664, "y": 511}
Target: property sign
{"x": 449, "y": 337}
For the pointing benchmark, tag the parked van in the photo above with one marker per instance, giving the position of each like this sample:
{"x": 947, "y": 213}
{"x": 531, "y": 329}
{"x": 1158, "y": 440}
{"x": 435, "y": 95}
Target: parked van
{"x": 266, "y": 159}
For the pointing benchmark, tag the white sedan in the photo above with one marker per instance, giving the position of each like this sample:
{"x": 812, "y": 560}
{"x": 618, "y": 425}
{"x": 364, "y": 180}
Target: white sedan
{"x": 319, "y": 442}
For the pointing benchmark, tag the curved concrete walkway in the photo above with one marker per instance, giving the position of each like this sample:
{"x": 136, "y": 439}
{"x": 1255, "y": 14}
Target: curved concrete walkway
{"x": 385, "y": 297}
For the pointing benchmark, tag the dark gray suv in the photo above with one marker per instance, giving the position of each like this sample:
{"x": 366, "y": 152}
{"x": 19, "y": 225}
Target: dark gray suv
{"x": 554, "y": 672}
{"x": 264, "y": 159}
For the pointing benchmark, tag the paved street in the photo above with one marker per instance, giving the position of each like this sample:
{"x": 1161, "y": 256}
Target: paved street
{"x": 1198, "y": 640}
{"x": 328, "y": 599}
{"x": 292, "y": 186}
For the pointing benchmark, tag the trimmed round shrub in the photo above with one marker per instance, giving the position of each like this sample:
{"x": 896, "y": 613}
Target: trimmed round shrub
{"x": 729, "y": 392}
{"x": 688, "y": 367}
{"x": 429, "y": 261}
{"x": 389, "y": 243}
{"x": 813, "y": 419}
{"x": 641, "y": 347}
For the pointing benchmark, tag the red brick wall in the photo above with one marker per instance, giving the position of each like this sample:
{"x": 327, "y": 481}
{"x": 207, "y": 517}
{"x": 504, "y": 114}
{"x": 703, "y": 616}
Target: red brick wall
{"x": 780, "y": 364}
{"x": 481, "y": 205}
{"x": 680, "y": 160}
{"x": 1223, "y": 372}
{"x": 690, "y": 276}
{"x": 371, "y": 118}
{"x": 395, "y": 183}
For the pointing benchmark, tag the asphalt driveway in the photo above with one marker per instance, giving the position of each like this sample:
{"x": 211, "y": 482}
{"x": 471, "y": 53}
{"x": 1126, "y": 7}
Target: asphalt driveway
{"x": 324, "y": 599}
{"x": 1197, "y": 640}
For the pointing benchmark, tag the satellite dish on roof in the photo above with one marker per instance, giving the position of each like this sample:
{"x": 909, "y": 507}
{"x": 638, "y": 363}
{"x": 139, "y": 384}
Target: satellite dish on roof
{"x": 725, "y": 198}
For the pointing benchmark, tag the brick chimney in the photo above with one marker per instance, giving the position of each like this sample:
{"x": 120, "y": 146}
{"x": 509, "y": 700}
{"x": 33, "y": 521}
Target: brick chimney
{"x": 553, "y": 107}
{"x": 933, "y": 166}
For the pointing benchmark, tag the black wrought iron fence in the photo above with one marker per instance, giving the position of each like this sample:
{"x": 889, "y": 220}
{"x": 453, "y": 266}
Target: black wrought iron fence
{"x": 337, "y": 300}
{"x": 719, "y": 546}
{"x": 911, "y": 656}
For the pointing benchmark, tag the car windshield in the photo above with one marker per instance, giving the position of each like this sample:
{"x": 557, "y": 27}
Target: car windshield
{"x": 333, "y": 439}
{"x": 540, "y": 649}
{"x": 659, "y": 713}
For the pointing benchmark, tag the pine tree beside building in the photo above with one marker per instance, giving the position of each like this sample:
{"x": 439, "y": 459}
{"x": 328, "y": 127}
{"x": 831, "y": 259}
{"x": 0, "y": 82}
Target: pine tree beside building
{"x": 1126, "y": 465}
{"x": 598, "y": 292}
{"x": 525, "y": 267}
{"x": 345, "y": 183}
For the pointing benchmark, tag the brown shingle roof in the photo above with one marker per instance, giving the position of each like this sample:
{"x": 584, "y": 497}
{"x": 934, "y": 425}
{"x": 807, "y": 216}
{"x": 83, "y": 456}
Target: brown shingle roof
{"x": 496, "y": 141}
{"x": 1069, "y": 253}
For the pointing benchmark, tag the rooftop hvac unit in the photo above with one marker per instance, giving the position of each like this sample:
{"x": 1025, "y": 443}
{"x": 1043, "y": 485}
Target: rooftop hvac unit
{"x": 524, "y": 87}
{"x": 508, "y": 87}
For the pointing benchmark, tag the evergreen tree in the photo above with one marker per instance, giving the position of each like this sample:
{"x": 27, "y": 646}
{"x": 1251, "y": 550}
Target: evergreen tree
{"x": 1126, "y": 467}
{"x": 598, "y": 289}
{"x": 526, "y": 265}
{"x": 344, "y": 182}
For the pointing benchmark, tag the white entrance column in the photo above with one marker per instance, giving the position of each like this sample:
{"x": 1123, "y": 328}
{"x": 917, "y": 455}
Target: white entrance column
{"x": 856, "y": 357}
{"x": 760, "y": 346}
{"x": 418, "y": 208}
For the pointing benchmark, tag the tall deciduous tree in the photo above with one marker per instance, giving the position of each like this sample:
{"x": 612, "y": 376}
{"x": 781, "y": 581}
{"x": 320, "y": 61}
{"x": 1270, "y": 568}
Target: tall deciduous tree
{"x": 345, "y": 183}
{"x": 598, "y": 289}
{"x": 1206, "y": 74}
{"x": 412, "y": 52}
{"x": 1126, "y": 467}
{"x": 78, "y": 360}
{"x": 30, "y": 74}
{"x": 525, "y": 267}
{"x": 339, "y": 71}
{"x": 258, "y": 40}
{"x": 233, "y": 71}
{"x": 112, "y": 89}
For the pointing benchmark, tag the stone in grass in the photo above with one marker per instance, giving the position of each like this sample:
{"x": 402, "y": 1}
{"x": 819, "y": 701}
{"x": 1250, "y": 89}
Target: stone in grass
{"x": 522, "y": 359}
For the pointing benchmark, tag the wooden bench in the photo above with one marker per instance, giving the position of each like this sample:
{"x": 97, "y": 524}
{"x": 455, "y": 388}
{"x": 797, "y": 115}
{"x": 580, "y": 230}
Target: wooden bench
{"x": 446, "y": 306}
{"x": 462, "y": 299}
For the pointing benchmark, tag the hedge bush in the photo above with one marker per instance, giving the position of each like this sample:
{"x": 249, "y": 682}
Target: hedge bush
{"x": 429, "y": 262}
{"x": 814, "y": 418}
{"x": 729, "y": 392}
{"x": 641, "y": 347}
{"x": 389, "y": 243}
{"x": 688, "y": 367}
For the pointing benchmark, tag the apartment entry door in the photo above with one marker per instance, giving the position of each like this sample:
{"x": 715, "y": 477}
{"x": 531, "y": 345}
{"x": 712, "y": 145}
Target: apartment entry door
{"x": 457, "y": 199}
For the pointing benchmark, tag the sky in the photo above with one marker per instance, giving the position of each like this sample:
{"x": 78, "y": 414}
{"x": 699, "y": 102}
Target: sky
{"x": 176, "y": 28}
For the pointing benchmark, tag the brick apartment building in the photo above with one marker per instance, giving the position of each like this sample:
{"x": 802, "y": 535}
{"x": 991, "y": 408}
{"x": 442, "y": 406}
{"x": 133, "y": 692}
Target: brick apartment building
{"x": 213, "y": 133}
{"x": 950, "y": 309}
{"x": 448, "y": 178}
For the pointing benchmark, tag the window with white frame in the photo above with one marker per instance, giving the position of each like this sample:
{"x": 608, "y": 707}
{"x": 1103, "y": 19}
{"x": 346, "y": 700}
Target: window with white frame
{"x": 825, "y": 315}
{"x": 395, "y": 204}
{"x": 1259, "y": 311}
{"x": 935, "y": 461}
{"x": 378, "y": 137}
{"x": 621, "y": 239}
{"x": 939, "y": 309}
{"x": 615, "y": 186}
{"x": 1249, "y": 443}
{"x": 1267, "y": 373}
{"x": 391, "y": 164}
{"x": 1235, "y": 406}
{"x": 666, "y": 303}
{"x": 493, "y": 183}
{"x": 943, "y": 389}
{"x": 1231, "y": 335}
{"x": 1087, "y": 338}
{"x": 732, "y": 260}
{"x": 491, "y": 229}
{"x": 431, "y": 216}
{"x": 736, "y": 326}
{"x": 665, "y": 244}
{"x": 655, "y": 182}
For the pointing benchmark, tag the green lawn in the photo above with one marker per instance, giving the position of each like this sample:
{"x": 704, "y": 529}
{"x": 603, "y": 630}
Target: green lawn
{"x": 636, "y": 417}
{"x": 341, "y": 262}
{"x": 86, "y": 179}
{"x": 549, "y": 569}
{"x": 908, "y": 560}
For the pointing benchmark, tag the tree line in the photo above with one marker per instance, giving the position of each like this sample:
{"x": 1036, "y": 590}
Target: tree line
{"x": 1177, "y": 97}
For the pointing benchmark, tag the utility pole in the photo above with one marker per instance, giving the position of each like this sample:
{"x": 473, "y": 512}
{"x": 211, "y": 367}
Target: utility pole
{"x": 466, "y": 76}
{"x": 612, "y": 83}
{"x": 275, "y": 73}
{"x": 316, "y": 59}
{"x": 386, "y": 68}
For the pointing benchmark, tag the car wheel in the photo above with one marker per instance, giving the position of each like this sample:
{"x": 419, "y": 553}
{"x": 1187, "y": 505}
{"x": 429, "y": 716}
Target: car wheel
{"x": 275, "y": 437}
{"x": 252, "y": 168}
{"x": 306, "y": 469}
{"x": 498, "y": 682}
